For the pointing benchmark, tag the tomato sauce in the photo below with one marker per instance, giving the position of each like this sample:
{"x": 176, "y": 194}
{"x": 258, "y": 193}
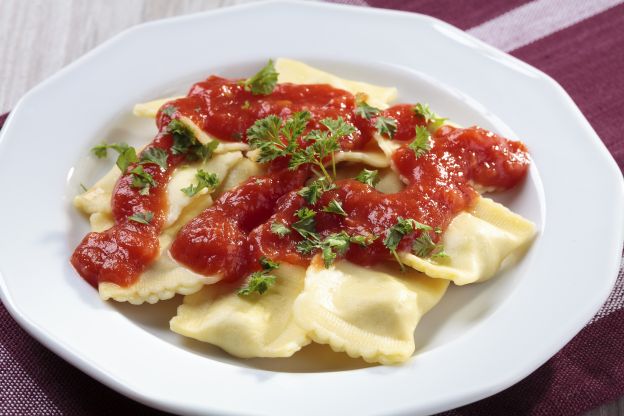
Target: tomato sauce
{"x": 230, "y": 237}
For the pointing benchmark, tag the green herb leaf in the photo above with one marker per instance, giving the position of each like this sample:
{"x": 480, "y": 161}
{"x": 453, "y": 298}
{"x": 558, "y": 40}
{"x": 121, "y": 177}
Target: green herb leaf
{"x": 386, "y": 126}
{"x": 431, "y": 119}
{"x": 263, "y": 82}
{"x": 154, "y": 155}
{"x": 170, "y": 110}
{"x": 100, "y": 151}
{"x": 424, "y": 246}
{"x": 260, "y": 281}
{"x": 315, "y": 189}
{"x": 306, "y": 226}
{"x": 143, "y": 180}
{"x": 185, "y": 142}
{"x": 127, "y": 154}
{"x": 205, "y": 180}
{"x": 335, "y": 207}
{"x": 83, "y": 188}
{"x": 396, "y": 233}
{"x": 280, "y": 229}
{"x": 366, "y": 111}
{"x": 369, "y": 177}
{"x": 421, "y": 144}
{"x": 363, "y": 240}
{"x": 142, "y": 217}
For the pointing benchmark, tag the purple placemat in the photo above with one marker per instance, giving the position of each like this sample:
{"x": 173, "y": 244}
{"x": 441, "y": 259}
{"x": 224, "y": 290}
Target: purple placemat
{"x": 579, "y": 43}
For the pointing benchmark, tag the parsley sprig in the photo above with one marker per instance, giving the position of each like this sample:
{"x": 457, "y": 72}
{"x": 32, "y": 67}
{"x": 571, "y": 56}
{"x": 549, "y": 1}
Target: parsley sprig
{"x": 369, "y": 177}
{"x": 142, "y": 217}
{"x": 423, "y": 246}
{"x": 127, "y": 154}
{"x": 142, "y": 180}
{"x": 156, "y": 156}
{"x": 315, "y": 189}
{"x": 432, "y": 120}
{"x": 185, "y": 142}
{"x": 205, "y": 180}
{"x": 263, "y": 82}
{"x": 279, "y": 228}
{"x": 396, "y": 233}
{"x": 421, "y": 143}
{"x": 334, "y": 206}
{"x": 262, "y": 280}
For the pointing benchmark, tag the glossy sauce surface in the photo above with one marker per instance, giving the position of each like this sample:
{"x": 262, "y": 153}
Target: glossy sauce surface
{"x": 229, "y": 237}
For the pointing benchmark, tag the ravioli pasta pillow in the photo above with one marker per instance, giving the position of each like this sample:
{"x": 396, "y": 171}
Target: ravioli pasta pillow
{"x": 477, "y": 243}
{"x": 246, "y": 326}
{"x": 366, "y": 312}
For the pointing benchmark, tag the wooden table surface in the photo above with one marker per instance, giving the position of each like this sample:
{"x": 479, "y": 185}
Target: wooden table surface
{"x": 39, "y": 37}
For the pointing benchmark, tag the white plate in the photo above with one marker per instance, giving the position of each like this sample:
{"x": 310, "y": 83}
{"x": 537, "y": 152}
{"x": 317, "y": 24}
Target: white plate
{"x": 478, "y": 341}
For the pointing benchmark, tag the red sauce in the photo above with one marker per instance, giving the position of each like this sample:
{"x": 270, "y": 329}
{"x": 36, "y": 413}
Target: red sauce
{"x": 229, "y": 237}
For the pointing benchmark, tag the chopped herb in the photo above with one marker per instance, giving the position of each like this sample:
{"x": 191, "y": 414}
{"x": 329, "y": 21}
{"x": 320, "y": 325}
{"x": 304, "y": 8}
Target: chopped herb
{"x": 263, "y": 82}
{"x": 279, "y": 228}
{"x": 315, "y": 189}
{"x": 142, "y": 217}
{"x": 424, "y": 246}
{"x": 306, "y": 226}
{"x": 335, "y": 207}
{"x": 142, "y": 180}
{"x": 170, "y": 110}
{"x": 431, "y": 119}
{"x": 396, "y": 233}
{"x": 386, "y": 126}
{"x": 366, "y": 111}
{"x": 363, "y": 240}
{"x": 127, "y": 154}
{"x": 205, "y": 180}
{"x": 266, "y": 134}
{"x": 421, "y": 144}
{"x": 260, "y": 281}
{"x": 154, "y": 155}
{"x": 334, "y": 245}
{"x": 84, "y": 188}
{"x": 369, "y": 177}
{"x": 185, "y": 142}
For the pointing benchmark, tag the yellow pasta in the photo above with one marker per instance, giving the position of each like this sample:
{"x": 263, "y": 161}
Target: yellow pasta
{"x": 246, "y": 326}
{"x": 366, "y": 312}
{"x": 477, "y": 243}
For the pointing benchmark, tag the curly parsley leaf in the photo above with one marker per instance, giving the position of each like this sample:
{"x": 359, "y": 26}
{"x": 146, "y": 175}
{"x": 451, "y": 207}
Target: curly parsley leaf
{"x": 335, "y": 207}
{"x": 279, "y": 228}
{"x": 260, "y": 281}
{"x": 154, "y": 155}
{"x": 432, "y": 120}
{"x": 423, "y": 246}
{"x": 369, "y": 177}
{"x": 127, "y": 154}
{"x": 315, "y": 189}
{"x": 205, "y": 180}
{"x": 142, "y": 180}
{"x": 142, "y": 217}
{"x": 421, "y": 144}
{"x": 264, "y": 81}
{"x": 306, "y": 225}
{"x": 366, "y": 111}
{"x": 386, "y": 126}
{"x": 396, "y": 233}
{"x": 185, "y": 142}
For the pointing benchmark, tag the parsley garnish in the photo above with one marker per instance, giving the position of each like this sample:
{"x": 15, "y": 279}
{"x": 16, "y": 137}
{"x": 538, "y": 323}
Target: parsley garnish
{"x": 424, "y": 246}
{"x": 386, "y": 126}
{"x": 421, "y": 144}
{"x": 279, "y": 228}
{"x": 184, "y": 142}
{"x": 263, "y": 82}
{"x": 84, "y": 188}
{"x": 333, "y": 245}
{"x": 143, "y": 180}
{"x": 142, "y": 217}
{"x": 315, "y": 189}
{"x": 170, "y": 110}
{"x": 396, "y": 233}
{"x": 306, "y": 226}
{"x": 204, "y": 180}
{"x": 366, "y": 111}
{"x": 266, "y": 134}
{"x": 431, "y": 119}
{"x": 363, "y": 240}
{"x": 369, "y": 177}
{"x": 335, "y": 207}
{"x": 154, "y": 155}
{"x": 260, "y": 281}
{"x": 127, "y": 154}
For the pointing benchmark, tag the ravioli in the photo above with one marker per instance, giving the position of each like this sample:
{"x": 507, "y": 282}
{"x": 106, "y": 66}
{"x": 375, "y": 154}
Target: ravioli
{"x": 246, "y": 326}
{"x": 366, "y": 312}
{"x": 477, "y": 242}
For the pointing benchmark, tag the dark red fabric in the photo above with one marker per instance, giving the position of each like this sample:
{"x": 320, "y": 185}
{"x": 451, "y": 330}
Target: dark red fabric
{"x": 588, "y": 60}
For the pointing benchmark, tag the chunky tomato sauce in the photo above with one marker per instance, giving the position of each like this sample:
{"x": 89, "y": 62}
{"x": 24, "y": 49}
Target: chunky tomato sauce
{"x": 230, "y": 237}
